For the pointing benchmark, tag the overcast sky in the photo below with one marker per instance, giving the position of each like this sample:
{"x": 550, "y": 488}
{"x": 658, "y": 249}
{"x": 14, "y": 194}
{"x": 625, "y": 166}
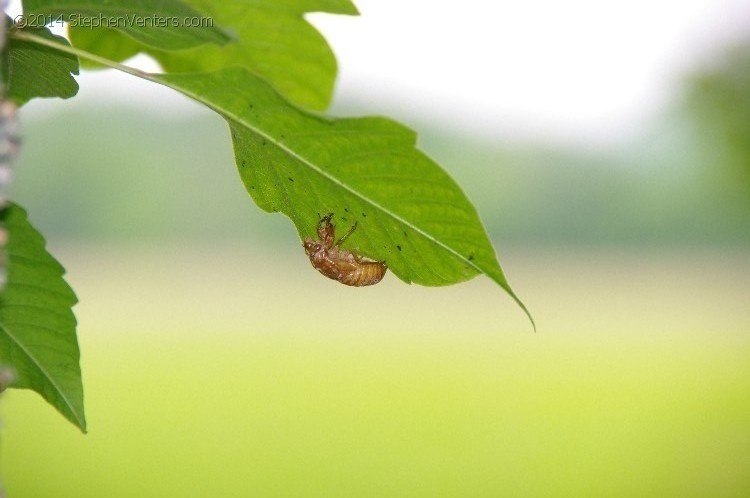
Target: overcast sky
{"x": 573, "y": 70}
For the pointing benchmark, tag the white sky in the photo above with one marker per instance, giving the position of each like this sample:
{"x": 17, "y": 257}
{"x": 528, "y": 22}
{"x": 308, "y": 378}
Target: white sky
{"x": 588, "y": 71}
{"x": 551, "y": 69}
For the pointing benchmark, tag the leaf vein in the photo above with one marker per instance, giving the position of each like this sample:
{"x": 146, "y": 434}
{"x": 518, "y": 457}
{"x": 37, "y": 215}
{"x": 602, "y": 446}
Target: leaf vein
{"x": 46, "y": 375}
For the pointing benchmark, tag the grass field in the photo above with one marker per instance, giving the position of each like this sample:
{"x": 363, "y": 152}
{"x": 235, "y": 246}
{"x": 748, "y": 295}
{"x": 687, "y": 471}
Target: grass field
{"x": 239, "y": 372}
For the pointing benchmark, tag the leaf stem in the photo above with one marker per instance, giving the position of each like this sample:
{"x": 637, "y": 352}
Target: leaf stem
{"x": 24, "y": 36}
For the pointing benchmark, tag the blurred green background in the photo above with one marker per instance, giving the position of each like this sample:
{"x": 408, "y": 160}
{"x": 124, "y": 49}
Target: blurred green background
{"x": 216, "y": 362}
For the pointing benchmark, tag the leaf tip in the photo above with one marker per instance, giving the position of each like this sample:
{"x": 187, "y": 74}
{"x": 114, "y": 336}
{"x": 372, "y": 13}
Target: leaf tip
{"x": 523, "y": 307}
{"x": 518, "y": 301}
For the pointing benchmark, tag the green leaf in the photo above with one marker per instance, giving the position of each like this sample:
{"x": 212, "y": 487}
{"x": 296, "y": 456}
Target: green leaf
{"x": 118, "y": 46}
{"x": 30, "y": 70}
{"x": 37, "y": 325}
{"x": 410, "y": 213}
{"x": 272, "y": 39}
{"x": 165, "y": 25}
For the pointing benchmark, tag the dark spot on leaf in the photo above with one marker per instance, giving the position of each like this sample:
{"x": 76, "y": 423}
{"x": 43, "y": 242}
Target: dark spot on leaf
{"x": 405, "y": 234}
{"x": 364, "y": 215}
{"x": 343, "y": 219}
{"x": 471, "y": 257}
{"x": 252, "y": 187}
{"x": 243, "y": 163}
{"x": 251, "y": 106}
{"x": 346, "y": 209}
{"x": 290, "y": 179}
{"x": 399, "y": 248}
{"x": 264, "y": 142}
